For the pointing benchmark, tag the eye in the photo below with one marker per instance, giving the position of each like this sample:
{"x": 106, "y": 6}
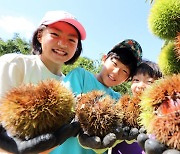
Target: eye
{"x": 72, "y": 40}
{"x": 135, "y": 80}
{"x": 125, "y": 71}
{"x": 114, "y": 62}
{"x": 54, "y": 34}
{"x": 149, "y": 82}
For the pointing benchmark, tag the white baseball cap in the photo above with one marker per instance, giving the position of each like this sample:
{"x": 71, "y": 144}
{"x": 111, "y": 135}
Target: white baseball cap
{"x": 55, "y": 16}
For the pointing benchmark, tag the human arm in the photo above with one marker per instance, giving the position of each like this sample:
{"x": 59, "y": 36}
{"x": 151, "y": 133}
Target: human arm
{"x": 11, "y": 72}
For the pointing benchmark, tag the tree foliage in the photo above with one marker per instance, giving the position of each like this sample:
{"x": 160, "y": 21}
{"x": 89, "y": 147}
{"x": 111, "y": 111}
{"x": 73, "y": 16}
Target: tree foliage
{"x": 14, "y": 45}
{"x": 124, "y": 88}
{"x": 83, "y": 62}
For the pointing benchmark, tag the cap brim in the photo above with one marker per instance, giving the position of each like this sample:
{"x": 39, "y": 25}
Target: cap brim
{"x": 73, "y": 22}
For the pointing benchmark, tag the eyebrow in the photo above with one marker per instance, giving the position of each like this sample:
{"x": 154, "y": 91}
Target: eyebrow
{"x": 70, "y": 34}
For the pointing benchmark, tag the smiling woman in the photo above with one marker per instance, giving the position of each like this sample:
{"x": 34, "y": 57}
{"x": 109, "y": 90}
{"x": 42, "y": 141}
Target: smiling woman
{"x": 59, "y": 42}
{"x": 56, "y": 41}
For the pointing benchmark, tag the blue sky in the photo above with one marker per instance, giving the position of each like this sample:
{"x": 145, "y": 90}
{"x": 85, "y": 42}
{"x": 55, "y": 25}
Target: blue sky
{"x": 107, "y": 22}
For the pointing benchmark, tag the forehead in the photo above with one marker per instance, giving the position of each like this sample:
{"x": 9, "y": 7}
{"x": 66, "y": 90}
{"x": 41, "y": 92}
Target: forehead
{"x": 60, "y": 24}
{"x": 65, "y": 27}
{"x": 141, "y": 75}
{"x": 119, "y": 63}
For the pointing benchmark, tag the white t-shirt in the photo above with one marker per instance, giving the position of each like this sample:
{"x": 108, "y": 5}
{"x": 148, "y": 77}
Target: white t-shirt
{"x": 16, "y": 69}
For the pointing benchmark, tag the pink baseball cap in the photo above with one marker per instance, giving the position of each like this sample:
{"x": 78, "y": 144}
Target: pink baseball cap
{"x": 55, "y": 16}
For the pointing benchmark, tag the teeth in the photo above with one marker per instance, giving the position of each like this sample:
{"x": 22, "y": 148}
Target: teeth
{"x": 111, "y": 78}
{"x": 60, "y": 52}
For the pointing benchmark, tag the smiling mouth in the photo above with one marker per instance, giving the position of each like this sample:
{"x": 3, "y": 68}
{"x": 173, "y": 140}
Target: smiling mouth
{"x": 59, "y": 52}
{"x": 111, "y": 78}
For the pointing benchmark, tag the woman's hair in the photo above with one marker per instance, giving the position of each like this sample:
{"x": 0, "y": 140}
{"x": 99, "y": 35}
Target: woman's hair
{"x": 126, "y": 57}
{"x": 37, "y": 50}
{"x": 150, "y": 68}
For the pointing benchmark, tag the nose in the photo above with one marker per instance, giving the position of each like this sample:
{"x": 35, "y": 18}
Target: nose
{"x": 62, "y": 43}
{"x": 141, "y": 85}
{"x": 116, "y": 70}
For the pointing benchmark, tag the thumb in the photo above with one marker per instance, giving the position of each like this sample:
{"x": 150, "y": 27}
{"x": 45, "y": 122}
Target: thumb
{"x": 152, "y": 146}
{"x": 141, "y": 138}
{"x": 109, "y": 140}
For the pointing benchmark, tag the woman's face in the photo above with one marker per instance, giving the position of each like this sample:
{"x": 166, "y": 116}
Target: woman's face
{"x": 140, "y": 81}
{"x": 113, "y": 72}
{"x": 59, "y": 43}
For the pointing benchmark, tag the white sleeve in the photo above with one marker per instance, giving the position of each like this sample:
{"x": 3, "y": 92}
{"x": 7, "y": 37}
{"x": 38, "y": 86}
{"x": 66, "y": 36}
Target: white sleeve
{"x": 11, "y": 72}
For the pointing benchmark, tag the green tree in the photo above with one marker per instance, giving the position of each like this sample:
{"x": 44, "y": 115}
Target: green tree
{"x": 124, "y": 88}
{"x": 83, "y": 62}
{"x": 16, "y": 44}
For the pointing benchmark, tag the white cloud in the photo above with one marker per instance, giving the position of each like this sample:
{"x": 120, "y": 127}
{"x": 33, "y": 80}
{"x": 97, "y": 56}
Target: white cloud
{"x": 20, "y": 25}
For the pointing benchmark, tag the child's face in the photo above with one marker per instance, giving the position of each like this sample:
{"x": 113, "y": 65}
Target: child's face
{"x": 59, "y": 42}
{"x": 140, "y": 82}
{"x": 113, "y": 72}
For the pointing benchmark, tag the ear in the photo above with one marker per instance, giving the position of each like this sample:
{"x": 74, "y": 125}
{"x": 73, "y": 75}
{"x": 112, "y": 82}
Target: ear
{"x": 104, "y": 57}
{"x": 39, "y": 36}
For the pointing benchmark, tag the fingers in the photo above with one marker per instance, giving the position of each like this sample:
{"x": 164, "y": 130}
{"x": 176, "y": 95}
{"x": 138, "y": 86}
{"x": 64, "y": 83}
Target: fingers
{"x": 142, "y": 130}
{"x": 37, "y": 144}
{"x": 34, "y": 145}
{"x": 141, "y": 138}
{"x": 75, "y": 128}
{"x": 127, "y": 133}
{"x": 7, "y": 143}
{"x": 67, "y": 131}
{"x": 152, "y": 146}
{"x": 171, "y": 151}
{"x": 48, "y": 141}
{"x": 109, "y": 140}
{"x": 93, "y": 142}
{"x": 119, "y": 133}
{"x": 133, "y": 134}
